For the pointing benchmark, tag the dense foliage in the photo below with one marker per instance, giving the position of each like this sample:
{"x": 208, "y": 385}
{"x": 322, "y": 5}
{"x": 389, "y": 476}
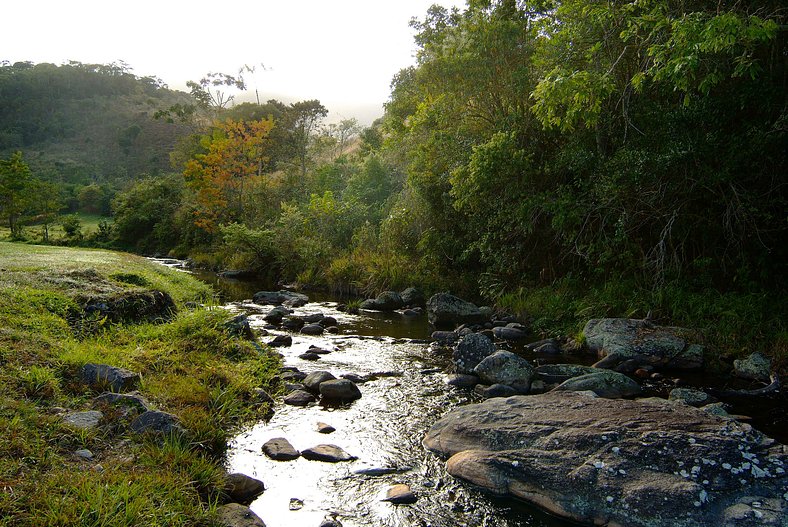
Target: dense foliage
{"x": 630, "y": 156}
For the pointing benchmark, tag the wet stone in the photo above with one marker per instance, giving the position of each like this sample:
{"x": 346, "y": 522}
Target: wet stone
{"x": 325, "y": 428}
{"x": 299, "y": 398}
{"x": 309, "y": 356}
{"x": 281, "y": 341}
{"x": 243, "y": 489}
{"x": 400, "y": 494}
{"x": 461, "y": 380}
{"x": 327, "y": 453}
{"x": 280, "y": 449}
{"x": 314, "y": 379}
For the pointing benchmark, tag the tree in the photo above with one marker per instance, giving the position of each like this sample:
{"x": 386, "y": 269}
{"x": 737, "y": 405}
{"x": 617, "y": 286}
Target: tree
{"x": 46, "y": 204}
{"x": 301, "y": 120}
{"x": 15, "y": 184}
{"x": 342, "y": 133}
{"x": 236, "y": 152}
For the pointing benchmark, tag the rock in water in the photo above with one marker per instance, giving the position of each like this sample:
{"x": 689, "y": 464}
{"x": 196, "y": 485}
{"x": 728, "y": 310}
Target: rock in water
{"x": 339, "y": 390}
{"x": 313, "y": 381}
{"x": 280, "y": 449}
{"x": 327, "y": 453}
{"x": 385, "y": 301}
{"x": 621, "y": 339}
{"x": 275, "y": 298}
{"x": 243, "y": 489}
{"x": 605, "y": 383}
{"x": 645, "y": 463}
{"x": 400, "y": 494}
{"x": 236, "y": 515}
{"x": 755, "y": 367}
{"x": 470, "y": 351}
{"x": 445, "y": 310}
{"x": 299, "y": 398}
{"x": 504, "y": 367}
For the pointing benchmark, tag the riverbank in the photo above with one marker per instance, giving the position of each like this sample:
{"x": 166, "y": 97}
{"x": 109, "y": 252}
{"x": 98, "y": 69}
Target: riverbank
{"x": 61, "y": 309}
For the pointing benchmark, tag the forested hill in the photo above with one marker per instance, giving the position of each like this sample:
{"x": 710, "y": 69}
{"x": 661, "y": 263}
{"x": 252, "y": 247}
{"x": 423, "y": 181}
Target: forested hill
{"x": 86, "y": 123}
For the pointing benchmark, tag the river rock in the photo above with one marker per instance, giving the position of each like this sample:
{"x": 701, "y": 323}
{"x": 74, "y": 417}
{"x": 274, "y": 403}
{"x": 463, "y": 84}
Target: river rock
{"x": 546, "y": 346}
{"x": 309, "y": 356}
{"x": 461, "y": 380}
{"x": 339, "y": 390}
{"x": 446, "y": 338}
{"x": 470, "y": 351}
{"x": 385, "y": 301}
{"x": 325, "y": 428}
{"x": 281, "y": 341}
{"x": 327, "y": 453}
{"x": 293, "y": 323}
{"x": 312, "y": 329}
{"x": 241, "y": 488}
{"x": 604, "y": 383}
{"x": 238, "y": 326}
{"x": 400, "y": 494}
{"x": 313, "y": 318}
{"x": 644, "y": 463}
{"x": 237, "y": 515}
{"x": 299, "y": 398}
{"x": 117, "y": 379}
{"x": 276, "y": 315}
{"x": 275, "y": 298}
{"x": 504, "y": 367}
{"x": 328, "y": 322}
{"x": 496, "y": 390}
{"x": 280, "y": 449}
{"x": 313, "y": 380}
{"x": 445, "y": 310}
{"x": 551, "y": 373}
{"x": 755, "y": 367}
{"x": 620, "y": 339}
{"x": 156, "y": 422}
{"x": 412, "y": 297}
{"x": 292, "y": 376}
{"x": 507, "y": 333}
{"x": 83, "y": 420}
{"x": 691, "y": 397}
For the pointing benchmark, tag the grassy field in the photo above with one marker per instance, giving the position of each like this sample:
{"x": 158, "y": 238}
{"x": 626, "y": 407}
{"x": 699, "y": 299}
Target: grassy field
{"x": 35, "y": 232}
{"x": 190, "y": 365}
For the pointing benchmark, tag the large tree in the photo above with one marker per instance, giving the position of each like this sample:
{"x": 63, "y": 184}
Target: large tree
{"x": 16, "y": 182}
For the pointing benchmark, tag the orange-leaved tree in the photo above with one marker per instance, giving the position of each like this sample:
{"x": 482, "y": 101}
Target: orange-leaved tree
{"x": 236, "y": 154}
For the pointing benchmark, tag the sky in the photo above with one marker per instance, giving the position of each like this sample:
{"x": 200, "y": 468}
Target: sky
{"x": 341, "y": 52}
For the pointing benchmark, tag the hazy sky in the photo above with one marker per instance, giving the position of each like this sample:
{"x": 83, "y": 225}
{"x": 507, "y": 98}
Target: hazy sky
{"x": 342, "y": 52}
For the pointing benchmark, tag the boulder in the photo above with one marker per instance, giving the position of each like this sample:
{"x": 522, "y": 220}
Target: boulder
{"x": 309, "y": 356}
{"x": 385, "y": 301}
{"x": 445, "y": 310}
{"x": 275, "y": 298}
{"x": 313, "y": 380}
{"x": 461, "y": 380}
{"x": 299, "y": 398}
{"x": 241, "y": 488}
{"x": 412, "y": 297}
{"x": 237, "y": 515}
{"x": 281, "y": 341}
{"x": 313, "y": 318}
{"x": 280, "y": 449}
{"x": 755, "y": 367}
{"x": 339, "y": 390}
{"x": 691, "y": 397}
{"x": 327, "y": 453}
{"x": 504, "y": 367}
{"x": 604, "y": 383}
{"x": 328, "y": 322}
{"x": 445, "y": 337}
{"x": 116, "y": 379}
{"x": 551, "y": 373}
{"x": 546, "y": 346}
{"x": 496, "y": 390}
{"x": 293, "y": 323}
{"x": 644, "y": 463}
{"x": 312, "y": 329}
{"x": 83, "y": 420}
{"x": 507, "y": 333}
{"x": 238, "y": 326}
{"x": 276, "y": 315}
{"x": 470, "y": 351}
{"x": 621, "y": 339}
{"x": 400, "y": 494}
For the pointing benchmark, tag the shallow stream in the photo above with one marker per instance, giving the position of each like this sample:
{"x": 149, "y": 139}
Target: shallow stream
{"x": 383, "y": 429}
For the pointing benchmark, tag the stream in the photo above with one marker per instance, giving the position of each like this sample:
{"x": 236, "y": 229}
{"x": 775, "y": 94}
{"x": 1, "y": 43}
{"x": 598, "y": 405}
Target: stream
{"x": 383, "y": 429}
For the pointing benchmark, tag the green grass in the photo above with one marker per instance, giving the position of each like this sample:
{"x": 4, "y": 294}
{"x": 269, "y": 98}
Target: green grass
{"x": 34, "y": 232}
{"x": 190, "y": 367}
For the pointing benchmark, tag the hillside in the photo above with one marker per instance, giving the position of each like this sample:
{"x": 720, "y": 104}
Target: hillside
{"x": 86, "y": 123}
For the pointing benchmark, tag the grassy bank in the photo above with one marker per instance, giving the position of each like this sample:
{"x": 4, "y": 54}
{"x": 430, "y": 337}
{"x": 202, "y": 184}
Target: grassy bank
{"x": 190, "y": 366}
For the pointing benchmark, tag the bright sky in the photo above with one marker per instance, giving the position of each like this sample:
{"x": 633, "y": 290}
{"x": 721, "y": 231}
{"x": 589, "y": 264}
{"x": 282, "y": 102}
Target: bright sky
{"x": 342, "y": 52}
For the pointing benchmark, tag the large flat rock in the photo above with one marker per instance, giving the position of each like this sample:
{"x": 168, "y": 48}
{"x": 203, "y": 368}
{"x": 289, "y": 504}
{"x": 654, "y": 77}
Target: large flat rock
{"x": 649, "y": 462}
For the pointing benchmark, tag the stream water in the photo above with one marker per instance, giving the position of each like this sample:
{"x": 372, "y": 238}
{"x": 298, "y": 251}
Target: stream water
{"x": 383, "y": 429}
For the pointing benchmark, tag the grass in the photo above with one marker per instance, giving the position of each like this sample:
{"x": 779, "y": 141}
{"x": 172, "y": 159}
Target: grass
{"x": 190, "y": 367}
{"x": 35, "y": 232}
